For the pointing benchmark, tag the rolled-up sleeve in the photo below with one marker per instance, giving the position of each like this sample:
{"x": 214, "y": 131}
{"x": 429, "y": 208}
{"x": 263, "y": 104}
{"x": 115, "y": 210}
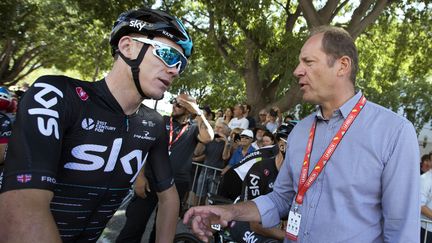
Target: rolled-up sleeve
{"x": 275, "y": 205}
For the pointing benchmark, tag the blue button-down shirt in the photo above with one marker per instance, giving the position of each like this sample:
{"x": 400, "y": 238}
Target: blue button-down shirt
{"x": 238, "y": 155}
{"x": 368, "y": 190}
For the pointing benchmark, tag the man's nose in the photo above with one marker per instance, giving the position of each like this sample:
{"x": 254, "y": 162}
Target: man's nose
{"x": 299, "y": 71}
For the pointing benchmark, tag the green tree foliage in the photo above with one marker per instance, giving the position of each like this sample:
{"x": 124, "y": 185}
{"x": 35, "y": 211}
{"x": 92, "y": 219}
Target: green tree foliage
{"x": 62, "y": 33}
{"x": 396, "y": 67}
{"x": 260, "y": 40}
{"x": 245, "y": 51}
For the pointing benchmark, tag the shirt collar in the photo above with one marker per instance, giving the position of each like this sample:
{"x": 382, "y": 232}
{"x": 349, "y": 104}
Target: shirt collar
{"x": 345, "y": 109}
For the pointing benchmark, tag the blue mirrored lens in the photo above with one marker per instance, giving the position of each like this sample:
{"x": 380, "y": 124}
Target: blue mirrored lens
{"x": 171, "y": 57}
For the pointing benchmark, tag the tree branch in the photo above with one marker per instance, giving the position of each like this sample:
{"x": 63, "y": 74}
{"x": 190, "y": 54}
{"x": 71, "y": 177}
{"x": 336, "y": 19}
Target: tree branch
{"x": 291, "y": 98}
{"x": 310, "y": 13}
{"x": 33, "y": 67}
{"x": 338, "y": 9}
{"x": 291, "y": 20}
{"x": 219, "y": 46}
{"x": 328, "y": 10}
{"x": 195, "y": 26}
{"x": 357, "y": 27}
{"x": 360, "y": 11}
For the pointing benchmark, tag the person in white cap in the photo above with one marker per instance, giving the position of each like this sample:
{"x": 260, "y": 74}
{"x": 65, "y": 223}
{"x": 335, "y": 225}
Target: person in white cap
{"x": 246, "y": 139}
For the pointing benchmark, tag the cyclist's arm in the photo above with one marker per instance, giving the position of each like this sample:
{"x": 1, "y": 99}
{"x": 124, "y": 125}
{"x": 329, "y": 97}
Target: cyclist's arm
{"x": 26, "y": 216}
{"x": 168, "y": 211}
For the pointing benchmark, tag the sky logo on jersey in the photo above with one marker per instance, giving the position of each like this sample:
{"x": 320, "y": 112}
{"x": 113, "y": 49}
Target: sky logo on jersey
{"x": 254, "y": 187}
{"x": 87, "y": 124}
{"x": 91, "y": 158}
{"x": 47, "y": 119}
{"x": 24, "y": 178}
{"x": 81, "y": 93}
{"x": 249, "y": 237}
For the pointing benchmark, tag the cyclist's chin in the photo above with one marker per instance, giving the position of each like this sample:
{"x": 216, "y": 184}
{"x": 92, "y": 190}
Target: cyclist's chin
{"x": 155, "y": 91}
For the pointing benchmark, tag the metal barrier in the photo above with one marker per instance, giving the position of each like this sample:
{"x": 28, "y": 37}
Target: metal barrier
{"x": 204, "y": 170}
{"x": 427, "y": 222}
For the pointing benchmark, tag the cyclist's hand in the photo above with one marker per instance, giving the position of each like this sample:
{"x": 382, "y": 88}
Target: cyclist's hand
{"x": 141, "y": 186}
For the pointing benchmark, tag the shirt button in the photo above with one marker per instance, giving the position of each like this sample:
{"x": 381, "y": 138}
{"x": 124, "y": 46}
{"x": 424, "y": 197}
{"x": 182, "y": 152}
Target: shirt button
{"x": 311, "y": 206}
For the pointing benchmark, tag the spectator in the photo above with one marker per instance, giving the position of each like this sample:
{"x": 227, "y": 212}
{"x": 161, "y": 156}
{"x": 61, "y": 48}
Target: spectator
{"x": 214, "y": 154}
{"x": 259, "y": 132}
{"x": 246, "y": 138}
{"x": 228, "y": 115}
{"x": 273, "y": 121}
{"x": 250, "y": 119}
{"x": 425, "y": 164}
{"x": 262, "y": 117}
{"x": 219, "y": 114}
{"x": 183, "y": 136}
{"x": 268, "y": 139}
{"x": 354, "y": 200}
{"x": 426, "y": 205}
{"x": 238, "y": 120}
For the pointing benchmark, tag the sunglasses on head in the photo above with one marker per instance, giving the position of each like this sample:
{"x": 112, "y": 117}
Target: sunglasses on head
{"x": 174, "y": 102}
{"x": 169, "y": 55}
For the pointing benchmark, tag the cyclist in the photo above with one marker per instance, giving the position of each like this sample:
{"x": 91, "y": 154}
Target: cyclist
{"x": 78, "y": 146}
{"x": 5, "y": 122}
{"x": 258, "y": 181}
{"x": 231, "y": 184}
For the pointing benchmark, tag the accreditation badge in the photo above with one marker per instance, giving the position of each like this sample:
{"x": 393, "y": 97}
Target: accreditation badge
{"x": 293, "y": 224}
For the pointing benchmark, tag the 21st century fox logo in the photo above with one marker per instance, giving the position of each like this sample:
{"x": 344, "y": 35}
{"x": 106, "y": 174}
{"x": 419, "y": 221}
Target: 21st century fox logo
{"x": 98, "y": 126}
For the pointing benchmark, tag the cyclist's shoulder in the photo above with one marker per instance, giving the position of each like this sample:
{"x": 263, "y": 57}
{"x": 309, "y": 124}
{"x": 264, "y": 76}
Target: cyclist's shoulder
{"x": 59, "y": 81}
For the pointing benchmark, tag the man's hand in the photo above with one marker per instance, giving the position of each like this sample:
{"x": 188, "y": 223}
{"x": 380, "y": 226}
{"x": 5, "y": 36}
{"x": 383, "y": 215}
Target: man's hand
{"x": 190, "y": 106}
{"x": 141, "y": 186}
{"x": 203, "y": 217}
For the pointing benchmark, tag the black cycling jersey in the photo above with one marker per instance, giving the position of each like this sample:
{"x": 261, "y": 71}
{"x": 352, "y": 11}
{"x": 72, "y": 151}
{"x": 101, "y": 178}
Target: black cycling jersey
{"x": 231, "y": 185}
{"x": 72, "y": 137}
{"x": 260, "y": 179}
{"x": 5, "y": 128}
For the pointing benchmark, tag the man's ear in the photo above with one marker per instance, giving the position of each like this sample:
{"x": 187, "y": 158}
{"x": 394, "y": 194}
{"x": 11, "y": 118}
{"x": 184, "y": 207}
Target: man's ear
{"x": 125, "y": 46}
{"x": 345, "y": 66}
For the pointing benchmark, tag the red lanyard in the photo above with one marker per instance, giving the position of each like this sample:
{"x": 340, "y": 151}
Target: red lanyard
{"x": 171, "y": 133}
{"x": 305, "y": 182}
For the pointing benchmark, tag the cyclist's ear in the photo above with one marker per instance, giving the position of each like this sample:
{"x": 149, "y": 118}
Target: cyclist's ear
{"x": 126, "y": 47}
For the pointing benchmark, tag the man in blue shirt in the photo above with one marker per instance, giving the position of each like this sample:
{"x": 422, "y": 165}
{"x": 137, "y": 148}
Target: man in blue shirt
{"x": 245, "y": 148}
{"x": 351, "y": 169}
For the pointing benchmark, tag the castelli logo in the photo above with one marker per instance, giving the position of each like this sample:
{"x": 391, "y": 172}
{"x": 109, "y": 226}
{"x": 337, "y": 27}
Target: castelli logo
{"x": 81, "y": 93}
